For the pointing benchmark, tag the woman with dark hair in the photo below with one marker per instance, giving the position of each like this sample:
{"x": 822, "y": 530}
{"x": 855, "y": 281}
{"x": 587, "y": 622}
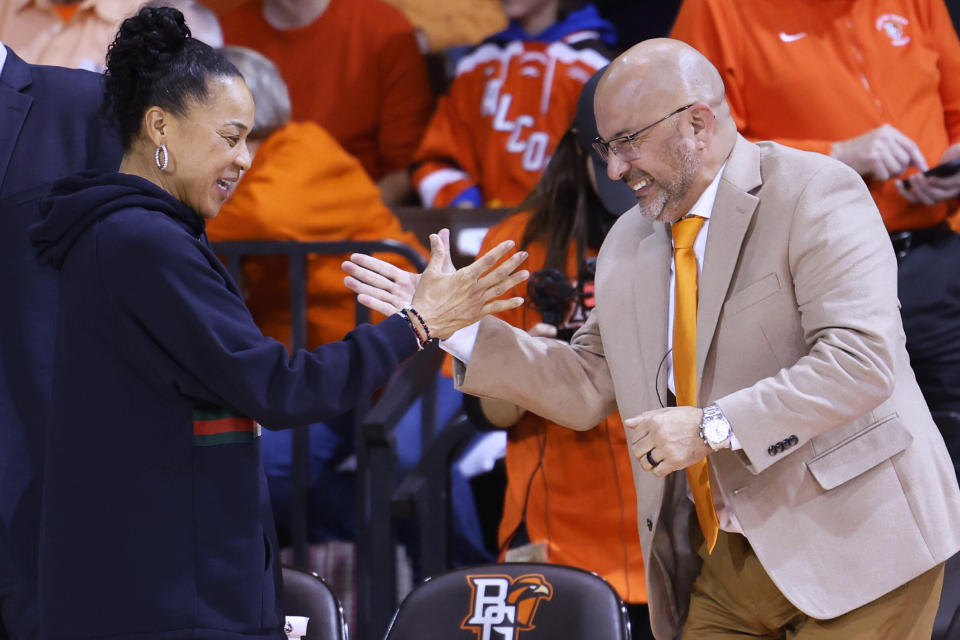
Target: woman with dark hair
{"x": 156, "y": 521}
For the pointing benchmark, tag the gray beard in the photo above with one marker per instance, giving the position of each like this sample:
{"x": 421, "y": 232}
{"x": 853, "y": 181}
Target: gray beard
{"x": 662, "y": 204}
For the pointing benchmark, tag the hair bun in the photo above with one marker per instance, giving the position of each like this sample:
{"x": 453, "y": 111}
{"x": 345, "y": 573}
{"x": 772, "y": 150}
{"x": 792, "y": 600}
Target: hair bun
{"x": 146, "y": 41}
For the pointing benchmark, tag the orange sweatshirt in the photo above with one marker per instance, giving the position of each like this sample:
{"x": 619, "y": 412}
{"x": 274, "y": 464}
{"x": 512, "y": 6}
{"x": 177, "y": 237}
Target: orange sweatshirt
{"x": 356, "y": 71}
{"x": 582, "y": 501}
{"x": 808, "y": 73}
{"x": 303, "y": 186}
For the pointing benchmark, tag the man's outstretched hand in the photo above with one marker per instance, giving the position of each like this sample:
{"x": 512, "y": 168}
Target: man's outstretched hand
{"x": 446, "y": 298}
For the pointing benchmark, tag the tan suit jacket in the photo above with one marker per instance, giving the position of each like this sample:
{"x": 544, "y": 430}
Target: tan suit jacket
{"x": 799, "y": 340}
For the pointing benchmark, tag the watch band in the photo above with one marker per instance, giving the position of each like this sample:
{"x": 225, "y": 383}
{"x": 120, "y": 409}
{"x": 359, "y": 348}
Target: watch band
{"x": 713, "y": 414}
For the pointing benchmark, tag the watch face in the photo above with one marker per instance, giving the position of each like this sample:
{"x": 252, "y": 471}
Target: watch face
{"x": 716, "y": 430}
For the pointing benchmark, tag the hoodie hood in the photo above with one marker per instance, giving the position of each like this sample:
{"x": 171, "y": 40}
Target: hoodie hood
{"x": 76, "y": 202}
{"x": 587, "y": 23}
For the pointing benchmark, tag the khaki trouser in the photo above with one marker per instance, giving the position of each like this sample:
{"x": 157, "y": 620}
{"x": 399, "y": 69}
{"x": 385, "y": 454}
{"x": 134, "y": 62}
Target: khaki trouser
{"x": 734, "y": 598}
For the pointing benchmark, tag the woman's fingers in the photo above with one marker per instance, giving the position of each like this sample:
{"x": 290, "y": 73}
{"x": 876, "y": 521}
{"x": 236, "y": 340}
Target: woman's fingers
{"x": 368, "y": 275}
{"x": 376, "y": 265}
{"x": 447, "y": 266}
{"x": 362, "y": 288}
{"x": 379, "y": 306}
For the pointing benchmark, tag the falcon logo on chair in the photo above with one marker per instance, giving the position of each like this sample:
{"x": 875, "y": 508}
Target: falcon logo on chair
{"x": 503, "y": 606}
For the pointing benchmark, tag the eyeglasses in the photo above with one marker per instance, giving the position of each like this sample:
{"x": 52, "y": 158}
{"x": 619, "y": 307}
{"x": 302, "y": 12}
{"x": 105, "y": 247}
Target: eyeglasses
{"x": 627, "y": 147}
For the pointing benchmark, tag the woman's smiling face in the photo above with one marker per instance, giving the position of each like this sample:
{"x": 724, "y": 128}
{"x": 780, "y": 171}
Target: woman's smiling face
{"x": 208, "y": 145}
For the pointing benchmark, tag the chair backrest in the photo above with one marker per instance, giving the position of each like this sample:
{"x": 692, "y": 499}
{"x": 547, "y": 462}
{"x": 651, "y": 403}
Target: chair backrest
{"x": 519, "y": 601}
{"x": 306, "y": 594}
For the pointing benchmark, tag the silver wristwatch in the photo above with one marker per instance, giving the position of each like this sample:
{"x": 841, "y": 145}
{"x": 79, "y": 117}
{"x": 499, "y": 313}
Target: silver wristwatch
{"x": 714, "y": 428}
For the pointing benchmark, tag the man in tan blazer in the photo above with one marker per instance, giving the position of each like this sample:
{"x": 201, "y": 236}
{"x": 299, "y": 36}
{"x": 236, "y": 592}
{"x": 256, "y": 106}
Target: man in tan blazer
{"x": 836, "y": 498}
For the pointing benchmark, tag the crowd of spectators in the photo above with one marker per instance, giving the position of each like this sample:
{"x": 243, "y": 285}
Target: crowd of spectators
{"x": 349, "y": 123}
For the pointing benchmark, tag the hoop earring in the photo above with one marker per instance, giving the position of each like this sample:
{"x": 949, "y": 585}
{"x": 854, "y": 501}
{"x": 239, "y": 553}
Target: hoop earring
{"x": 166, "y": 157}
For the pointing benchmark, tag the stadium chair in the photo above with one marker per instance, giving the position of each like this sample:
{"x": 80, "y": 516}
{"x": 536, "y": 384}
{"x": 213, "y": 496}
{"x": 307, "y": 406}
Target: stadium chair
{"x": 545, "y": 601}
{"x": 306, "y": 594}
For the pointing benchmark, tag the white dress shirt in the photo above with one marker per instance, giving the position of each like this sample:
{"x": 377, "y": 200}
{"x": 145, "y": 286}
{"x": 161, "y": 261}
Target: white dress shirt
{"x": 3, "y": 55}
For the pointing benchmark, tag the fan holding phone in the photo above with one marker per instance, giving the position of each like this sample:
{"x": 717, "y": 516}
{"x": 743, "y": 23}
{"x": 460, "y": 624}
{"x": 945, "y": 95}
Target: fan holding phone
{"x": 930, "y": 192}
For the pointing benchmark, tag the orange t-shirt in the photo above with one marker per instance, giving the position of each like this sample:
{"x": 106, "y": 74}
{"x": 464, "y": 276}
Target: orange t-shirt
{"x": 807, "y": 73}
{"x": 582, "y": 500}
{"x": 303, "y": 186}
{"x": 356, "y": 71}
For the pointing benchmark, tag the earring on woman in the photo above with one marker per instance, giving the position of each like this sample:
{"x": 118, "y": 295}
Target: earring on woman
{"x": 166, "y": 157}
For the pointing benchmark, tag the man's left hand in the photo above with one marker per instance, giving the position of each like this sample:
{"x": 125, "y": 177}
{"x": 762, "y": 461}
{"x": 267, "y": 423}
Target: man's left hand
{"x": 671, "y": 436}
{"x": 930, "y": 190}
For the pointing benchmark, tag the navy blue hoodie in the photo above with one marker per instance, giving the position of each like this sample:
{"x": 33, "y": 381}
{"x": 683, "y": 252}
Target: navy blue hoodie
{"x": 156, "y": 521}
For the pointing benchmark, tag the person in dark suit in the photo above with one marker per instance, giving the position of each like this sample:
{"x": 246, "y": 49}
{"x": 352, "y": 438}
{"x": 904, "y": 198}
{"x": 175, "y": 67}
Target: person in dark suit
{"x": 51, "y": 126}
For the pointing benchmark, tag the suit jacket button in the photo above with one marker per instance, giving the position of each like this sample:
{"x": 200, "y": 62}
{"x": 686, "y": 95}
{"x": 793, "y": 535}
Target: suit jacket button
{"x": 649, "y": 524}
{"x": 793, "y": 440}
{"x": 772, "y": 449}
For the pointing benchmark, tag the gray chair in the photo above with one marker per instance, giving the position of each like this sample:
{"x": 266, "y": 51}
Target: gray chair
{"x": 306, "y": 594}
{"x": 544, "y": 601}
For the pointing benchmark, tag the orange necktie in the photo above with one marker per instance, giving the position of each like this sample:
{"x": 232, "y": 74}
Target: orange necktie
{"x": 685, "y": 361}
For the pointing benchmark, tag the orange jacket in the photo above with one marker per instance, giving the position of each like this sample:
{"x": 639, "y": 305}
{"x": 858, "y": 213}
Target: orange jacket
{"x": 582, "y": 501}
{"x": 303, "y": 186}
{"x": 507, "y": 108}
{"x": 356, "y": 71}
{"x": 810, "y": 72}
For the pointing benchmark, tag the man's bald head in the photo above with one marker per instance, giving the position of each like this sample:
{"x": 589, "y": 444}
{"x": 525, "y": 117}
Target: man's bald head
{"x": 658, "y": 76}
{"x": 661, "y": 104}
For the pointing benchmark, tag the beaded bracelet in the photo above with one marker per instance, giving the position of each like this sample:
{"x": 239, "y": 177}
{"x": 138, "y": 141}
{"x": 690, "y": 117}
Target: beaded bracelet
{"x": 420, "y": 319}
{"x": 416, "y": 333}
{"x": 421, "y": 342}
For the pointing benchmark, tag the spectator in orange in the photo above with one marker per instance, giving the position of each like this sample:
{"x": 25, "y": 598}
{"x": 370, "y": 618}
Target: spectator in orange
{"x": 354, "y": 68}
{"x": 511, "y": 101}
{"x": 553, "y": 472}
{"x": 65, "y": 33}
{"x": 301, "y": 186}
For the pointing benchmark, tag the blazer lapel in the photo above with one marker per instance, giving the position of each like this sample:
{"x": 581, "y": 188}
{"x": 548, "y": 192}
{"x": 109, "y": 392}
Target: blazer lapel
{"x": 732, "y": 212}
{"x": 651, "y": 277}
{"x": 14, "y": 106}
